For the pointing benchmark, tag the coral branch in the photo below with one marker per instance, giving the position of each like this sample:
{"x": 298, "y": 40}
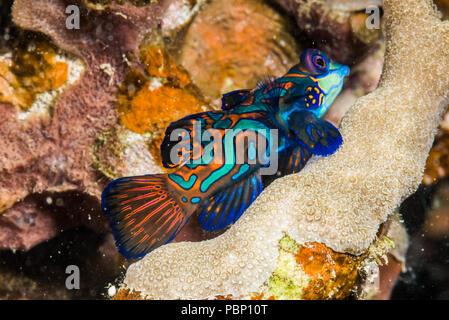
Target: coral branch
{"x": 339, "y": 201}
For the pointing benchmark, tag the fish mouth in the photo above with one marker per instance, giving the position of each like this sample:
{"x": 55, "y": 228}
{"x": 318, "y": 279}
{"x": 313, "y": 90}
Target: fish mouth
{"x": 343, "y": 71}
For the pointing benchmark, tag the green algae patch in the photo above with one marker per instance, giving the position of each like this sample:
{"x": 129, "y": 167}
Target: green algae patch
{"x": 311, "y": 271}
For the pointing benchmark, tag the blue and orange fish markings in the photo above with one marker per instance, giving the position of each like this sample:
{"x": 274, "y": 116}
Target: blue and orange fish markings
{"x": 229, "y": 147}
{"x": 195, "y": 200}
{"x": 216, "y": 115}
{"x": 243, "y": 168}
{"x": 235, "y": 129}
{"x": 222, "y": 155}
{"x": 179, "y": 180}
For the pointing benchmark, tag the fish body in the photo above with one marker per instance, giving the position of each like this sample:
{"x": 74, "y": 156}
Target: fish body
{"x": 220, "y": 156}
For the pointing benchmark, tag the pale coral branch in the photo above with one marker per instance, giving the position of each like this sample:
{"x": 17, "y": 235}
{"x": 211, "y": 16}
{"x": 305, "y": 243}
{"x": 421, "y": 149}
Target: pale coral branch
{"x": 340, "y": 200}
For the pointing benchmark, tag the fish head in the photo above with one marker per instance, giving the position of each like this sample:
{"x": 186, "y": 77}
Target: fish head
{"x": 329, "y": 75}
{"x": 317, "y": 72}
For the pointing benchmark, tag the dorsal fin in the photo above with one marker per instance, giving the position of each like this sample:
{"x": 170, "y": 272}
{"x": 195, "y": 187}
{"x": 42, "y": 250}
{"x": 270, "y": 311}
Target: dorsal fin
{"x": 264, "y": 81}
{"x": 233, "y": 99}
{"x": 181, "y": 134}
{"x": 272, "y": 89}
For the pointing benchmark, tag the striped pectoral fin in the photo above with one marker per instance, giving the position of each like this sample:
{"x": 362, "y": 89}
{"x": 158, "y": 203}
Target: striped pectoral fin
{"x": 142, "y": 214}
{"x": 294, "y": 159}
{"x": 319, "y": 136}
{"x": 228, "y": 204}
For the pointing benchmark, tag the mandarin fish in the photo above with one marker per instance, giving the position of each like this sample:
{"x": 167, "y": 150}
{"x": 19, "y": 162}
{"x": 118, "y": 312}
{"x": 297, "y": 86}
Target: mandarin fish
{"x": 216, "y": 161}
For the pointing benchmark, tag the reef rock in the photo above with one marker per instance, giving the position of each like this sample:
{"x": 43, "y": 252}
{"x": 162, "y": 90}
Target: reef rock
{"x": 57, "y": 98}
{"x": 336, "y": 27}
{"x": 232, "y": 44}
{"x": 351, "y": 5}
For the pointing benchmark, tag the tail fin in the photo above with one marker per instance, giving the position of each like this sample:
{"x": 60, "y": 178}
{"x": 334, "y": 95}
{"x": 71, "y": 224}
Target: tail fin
{"x": 142, "y": 214}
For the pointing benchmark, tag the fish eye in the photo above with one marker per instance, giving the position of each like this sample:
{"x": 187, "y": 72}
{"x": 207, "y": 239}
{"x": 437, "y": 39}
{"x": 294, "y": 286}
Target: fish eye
{"x": 319, "y": 62}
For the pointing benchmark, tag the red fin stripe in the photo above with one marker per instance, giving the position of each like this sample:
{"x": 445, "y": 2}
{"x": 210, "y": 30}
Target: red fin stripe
{"x": 143, "y": 215}
{"x": 297, "y": 159}
{"x": 138, "y": 232}
{"x": 143, "y": 207}
{"x": 174, "y": 222}
{"x": 130, "y": 222}
{"x": 145, "y": 237}
{"x": 145, "y": 180}
{"x": 146, "y": 195}
{"x": 171, "y": 225}
{"x": 152, "y": 242}
{"x": 160, "y": 208}
{"x": 140, "y": 189}
{"x": 152, "y": 214}
{"x": 162, "y": 216}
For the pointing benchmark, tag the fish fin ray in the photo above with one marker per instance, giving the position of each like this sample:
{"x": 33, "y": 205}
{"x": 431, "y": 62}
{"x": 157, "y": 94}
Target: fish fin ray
{"x": 317, "y": 135}
{"x": 294, "y": 160}
{"x": 225, "y": 207}
{"x": 142, "y": 214}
